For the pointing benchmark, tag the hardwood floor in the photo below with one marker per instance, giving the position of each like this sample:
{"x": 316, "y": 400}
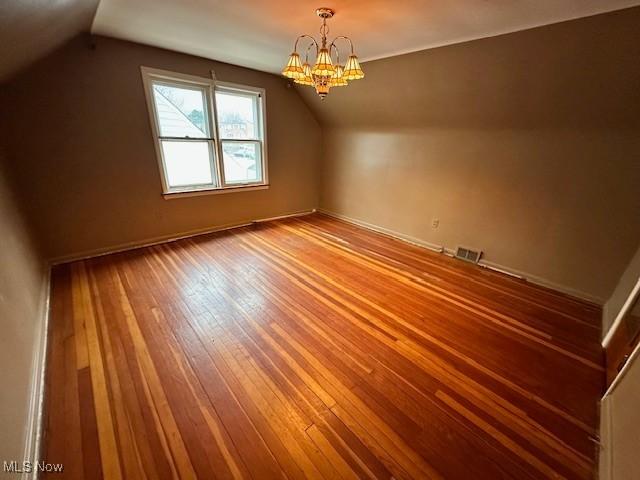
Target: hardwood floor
{"x": 312, "y": 348}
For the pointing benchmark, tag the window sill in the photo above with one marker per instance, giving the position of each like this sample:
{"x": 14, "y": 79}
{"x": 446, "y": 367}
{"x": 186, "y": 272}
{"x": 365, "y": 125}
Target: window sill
{"x": 213, "y": 191}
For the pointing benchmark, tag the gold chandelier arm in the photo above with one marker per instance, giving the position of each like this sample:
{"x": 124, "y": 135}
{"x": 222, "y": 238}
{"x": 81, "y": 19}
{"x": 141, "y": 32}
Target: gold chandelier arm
{"x": 339, "y": 37}
{"x": 306, "y": 56}
{"x": 313, "y": 42}
{"x": 333, "y": 46}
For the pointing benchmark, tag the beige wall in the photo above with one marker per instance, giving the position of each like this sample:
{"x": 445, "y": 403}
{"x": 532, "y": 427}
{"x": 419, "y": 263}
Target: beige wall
{"x": 526, "y": 146}
{"x": 30, "y": 29}
{"x": 83, "y": 150}
{"x": 622, "y": 291}
{"x": 22, "y": 301}
{"x": 620, "y": 429}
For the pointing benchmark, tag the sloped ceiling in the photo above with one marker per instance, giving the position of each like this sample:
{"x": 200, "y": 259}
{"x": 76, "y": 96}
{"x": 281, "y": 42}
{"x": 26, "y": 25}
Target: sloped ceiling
{"x": 29, "y": 29}
{"x": 260, "y": 34}
{"x": 570, "y": 74}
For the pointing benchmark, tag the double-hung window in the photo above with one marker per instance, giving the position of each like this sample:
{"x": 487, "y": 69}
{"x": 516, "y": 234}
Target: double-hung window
{"x": 209, "y": 135}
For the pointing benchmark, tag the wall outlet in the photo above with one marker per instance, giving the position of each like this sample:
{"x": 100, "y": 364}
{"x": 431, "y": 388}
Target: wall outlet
{"x": 435, "y": 222}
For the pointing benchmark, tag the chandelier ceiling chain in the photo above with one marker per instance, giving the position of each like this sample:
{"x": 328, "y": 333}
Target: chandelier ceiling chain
{"x": 324, "y": 74}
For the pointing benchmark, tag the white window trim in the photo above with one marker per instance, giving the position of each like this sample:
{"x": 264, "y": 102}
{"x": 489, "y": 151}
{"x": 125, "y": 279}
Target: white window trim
{"x": 150, "y": 74}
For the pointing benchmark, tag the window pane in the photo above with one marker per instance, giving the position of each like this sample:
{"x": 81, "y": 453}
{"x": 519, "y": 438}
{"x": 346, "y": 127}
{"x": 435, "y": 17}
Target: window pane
{"x": 187, "y": 163}
{"x": 181, "y": 111}
{"x": 237, "y": 115}
{"x": 242, "y": 162}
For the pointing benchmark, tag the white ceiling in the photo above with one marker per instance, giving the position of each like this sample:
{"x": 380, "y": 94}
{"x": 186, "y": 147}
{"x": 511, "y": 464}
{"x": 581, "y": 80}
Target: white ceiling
{"x": 260, "y": 33}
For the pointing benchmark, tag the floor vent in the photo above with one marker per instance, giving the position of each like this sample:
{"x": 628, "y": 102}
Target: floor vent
{"x": 468, "y": 255}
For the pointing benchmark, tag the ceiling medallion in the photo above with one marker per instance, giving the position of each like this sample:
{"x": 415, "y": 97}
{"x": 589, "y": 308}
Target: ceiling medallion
{"x": 324, "y": 74}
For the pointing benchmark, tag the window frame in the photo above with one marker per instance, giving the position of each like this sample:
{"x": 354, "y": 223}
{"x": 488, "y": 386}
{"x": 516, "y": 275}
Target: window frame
{"x": 261, "y": 118}
{"x": 209, "y": 86}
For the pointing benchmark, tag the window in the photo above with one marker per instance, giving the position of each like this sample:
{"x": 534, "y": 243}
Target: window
{"x": 239, "y": 129}
{"x": 209, "y": 135}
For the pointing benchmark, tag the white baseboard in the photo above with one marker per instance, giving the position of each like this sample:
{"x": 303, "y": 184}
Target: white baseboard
{"x": 280, "y": 217}
{"x": 391, "y": 233}
{"x": 33, "y": 439}
{"x": 543, "y": 282}
{"x": 484, "y": 263}
{"x": 123, "y": 247}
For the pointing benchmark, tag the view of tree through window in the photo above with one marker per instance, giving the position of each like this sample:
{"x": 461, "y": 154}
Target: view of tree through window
{"x": 180, "y": 111}
{"x": 197, "y": 117}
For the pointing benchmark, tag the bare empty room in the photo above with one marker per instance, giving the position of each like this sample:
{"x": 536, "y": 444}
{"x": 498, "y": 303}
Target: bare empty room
{"x": 343, "y": 240}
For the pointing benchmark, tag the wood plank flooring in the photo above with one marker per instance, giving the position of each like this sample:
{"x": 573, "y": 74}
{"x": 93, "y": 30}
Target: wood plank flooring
{"x": 311, "y": 348}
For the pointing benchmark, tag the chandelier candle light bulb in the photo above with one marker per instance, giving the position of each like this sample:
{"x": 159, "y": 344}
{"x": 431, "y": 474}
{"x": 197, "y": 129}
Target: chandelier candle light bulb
{"x": 324, "y": 74}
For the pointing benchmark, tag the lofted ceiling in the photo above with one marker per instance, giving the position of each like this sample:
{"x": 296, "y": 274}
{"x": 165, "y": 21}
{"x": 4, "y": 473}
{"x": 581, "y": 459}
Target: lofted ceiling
{"x": 30, "y": 29}
{"x": 259, "y": 33}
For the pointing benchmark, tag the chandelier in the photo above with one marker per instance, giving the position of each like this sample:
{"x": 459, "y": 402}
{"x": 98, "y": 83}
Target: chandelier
{"x": 324, "y": 74}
